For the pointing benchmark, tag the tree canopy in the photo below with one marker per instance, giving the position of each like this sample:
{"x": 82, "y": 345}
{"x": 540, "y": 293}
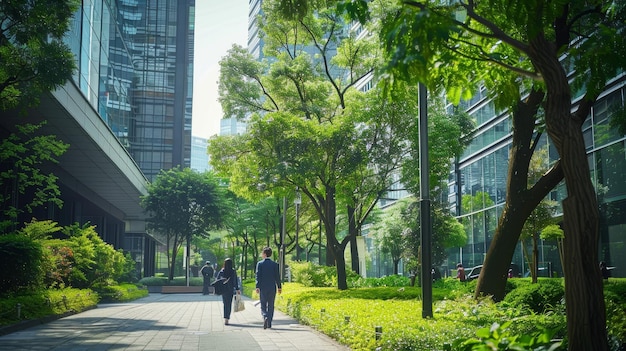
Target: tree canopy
{"x": 523, "y": 53}
{"x": 181, "y": 204}
{"x": 33, "y": 57}
{"x": 24, "y": 186}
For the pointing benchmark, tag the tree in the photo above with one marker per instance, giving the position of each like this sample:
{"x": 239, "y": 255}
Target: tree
{"x": 389, "y": 234}
{"x": 303, "y": 132}
{"x": 33, "y": 57}
{"x": 554, "y": 232}
{"x": 524, "y": 52}
{"x": 23, "y": 184}
{"x": 540, "y": 217}
{"x": 182, "y": 204}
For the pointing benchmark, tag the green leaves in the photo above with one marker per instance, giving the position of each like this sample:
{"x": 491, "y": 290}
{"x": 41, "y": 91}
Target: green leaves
{"x": 22, "y": 156}
{"x": 497, "y": 337}
{"x": 32, "y": 52}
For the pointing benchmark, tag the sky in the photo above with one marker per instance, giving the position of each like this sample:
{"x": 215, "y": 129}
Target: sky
{"x": 219, "y": 25}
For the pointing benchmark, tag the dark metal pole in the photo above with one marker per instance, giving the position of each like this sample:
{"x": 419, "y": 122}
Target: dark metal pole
{"x": 282, "y": 240}
{"x": 426, "y": 226}
{"x": 297, "y": 201}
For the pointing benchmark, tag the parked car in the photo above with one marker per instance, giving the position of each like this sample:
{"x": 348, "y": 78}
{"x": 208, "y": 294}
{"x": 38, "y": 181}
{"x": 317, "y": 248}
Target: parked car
{"x": 474, "y": 272}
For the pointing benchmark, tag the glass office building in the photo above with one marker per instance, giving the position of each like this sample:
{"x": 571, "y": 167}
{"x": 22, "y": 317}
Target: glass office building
{"x": 482, "y": 174}
{"x": 135, "y": 66}
{"x": 135, "y": 75}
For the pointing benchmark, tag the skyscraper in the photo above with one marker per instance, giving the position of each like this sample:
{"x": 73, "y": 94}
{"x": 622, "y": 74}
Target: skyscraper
{"x": 160, "y": 34}
{"x": 126, "y": 114}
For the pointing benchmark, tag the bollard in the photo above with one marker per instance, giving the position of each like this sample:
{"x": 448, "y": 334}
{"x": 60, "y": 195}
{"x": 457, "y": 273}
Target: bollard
{"x": 379, "y": 332}
{"x": 346, "y": 319}
{"x": 322, "y": 313}
{"x": 65, "y": 301}
{"x": 19, "y": 311}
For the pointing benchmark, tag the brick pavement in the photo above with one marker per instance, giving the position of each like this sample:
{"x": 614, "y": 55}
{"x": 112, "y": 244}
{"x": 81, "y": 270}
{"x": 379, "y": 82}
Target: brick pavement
{"x": 169, "y": 322}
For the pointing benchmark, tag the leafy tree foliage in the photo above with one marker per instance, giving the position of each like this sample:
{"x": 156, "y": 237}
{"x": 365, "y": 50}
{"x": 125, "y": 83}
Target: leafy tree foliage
{"x": 23, "y": 185}
{"x": 33, "y": 57}
{"x": 22, "y": 262}
{"x": 398, "y": 234}
{"x": 182, "y": 204}
{"x": 310, "y": 128}
{"x": 524, "y": 52}
{"x": 554, "y": 232}
{"x": 76, "y": 256}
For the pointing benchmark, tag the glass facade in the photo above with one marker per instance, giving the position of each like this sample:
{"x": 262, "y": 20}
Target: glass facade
{"x": 477, "y": 186}
{"x": 135, "y": 67}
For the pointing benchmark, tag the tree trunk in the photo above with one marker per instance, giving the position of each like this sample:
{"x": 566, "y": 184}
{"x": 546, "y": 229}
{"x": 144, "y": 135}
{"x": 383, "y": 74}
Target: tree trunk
{"x": 520, "y": 201}
{"x": 535, "y": 258}
{"x": 353, "y": 232}
{"x": 586, "y": 315}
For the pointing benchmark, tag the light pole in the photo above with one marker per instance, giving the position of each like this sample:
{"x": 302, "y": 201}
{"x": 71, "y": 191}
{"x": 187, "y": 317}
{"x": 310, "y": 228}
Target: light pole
{"x": 282, "y": 240}
{"x": 297, "y": 201}
{"x": 425, "y": 223}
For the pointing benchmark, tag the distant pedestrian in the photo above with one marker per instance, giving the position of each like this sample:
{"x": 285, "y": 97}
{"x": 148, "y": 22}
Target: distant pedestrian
{"x": 460, "y": 272}
{"x": 229, "y": 274}
{"x": 207, "y": 275}
{"x": 268, "y": 281}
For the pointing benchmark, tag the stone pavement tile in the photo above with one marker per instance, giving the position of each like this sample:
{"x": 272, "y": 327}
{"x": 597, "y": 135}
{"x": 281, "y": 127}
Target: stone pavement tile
{"x": 169, "y": 322}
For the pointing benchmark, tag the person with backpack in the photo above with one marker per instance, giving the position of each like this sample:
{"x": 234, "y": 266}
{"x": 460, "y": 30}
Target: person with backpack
{"x": 207, "y": 274}
{"x": 227, "y": 276}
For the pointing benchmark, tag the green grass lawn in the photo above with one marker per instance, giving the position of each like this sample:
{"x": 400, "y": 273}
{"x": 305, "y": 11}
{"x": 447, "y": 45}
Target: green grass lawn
{"x": 352, "y": 316}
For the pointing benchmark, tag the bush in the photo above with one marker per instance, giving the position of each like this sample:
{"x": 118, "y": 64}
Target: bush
{"x": 547, "y": 294}
{"x": 178, "y": 281}
{"x": 121, "y": 293}
{"x": 392, "y": 280}
{"x": 42, "y": 303}
{"x": 615, "y": 300}
{"x": 21, "y": 263}
{"x": 312, "y": 275}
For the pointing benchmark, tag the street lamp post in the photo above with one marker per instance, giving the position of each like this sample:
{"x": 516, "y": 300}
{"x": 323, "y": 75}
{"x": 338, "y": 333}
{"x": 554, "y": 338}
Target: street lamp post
{"x": 425, "y": 222}
{"x": 282, "y": 240}
{"x": 297, "y": 201}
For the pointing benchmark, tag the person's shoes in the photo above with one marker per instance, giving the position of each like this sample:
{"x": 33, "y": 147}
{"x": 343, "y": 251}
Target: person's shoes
{"x": 265, "y": 323}
{"x": 225, "y": 321}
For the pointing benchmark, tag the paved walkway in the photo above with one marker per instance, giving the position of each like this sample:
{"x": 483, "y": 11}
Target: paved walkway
{"x": 169, "y": 322}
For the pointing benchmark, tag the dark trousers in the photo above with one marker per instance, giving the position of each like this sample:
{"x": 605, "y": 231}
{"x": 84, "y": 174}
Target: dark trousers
{"x": 205, "y": 286}
{"x": 267, "y": 298}
{"x": 227, "y": 299}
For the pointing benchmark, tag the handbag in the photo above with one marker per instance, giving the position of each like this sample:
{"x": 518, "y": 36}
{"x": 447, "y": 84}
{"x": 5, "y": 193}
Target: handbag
{"x": 220, "y": 286}
{"x": 239, "y": 304}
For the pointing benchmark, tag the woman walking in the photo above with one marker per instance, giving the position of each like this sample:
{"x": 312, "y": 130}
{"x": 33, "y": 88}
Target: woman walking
{"x": 231, "y": 287}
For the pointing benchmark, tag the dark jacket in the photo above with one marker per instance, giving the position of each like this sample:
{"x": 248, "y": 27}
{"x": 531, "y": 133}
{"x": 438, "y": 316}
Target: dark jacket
{"x": 267, "y": 275}
{"x": 233, "y": 283}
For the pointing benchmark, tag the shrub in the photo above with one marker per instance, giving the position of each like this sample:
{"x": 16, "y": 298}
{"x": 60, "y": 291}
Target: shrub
{"x": 22, "y": 261}
{"x": 41, "y": 303}
{"x": 499, "y": 337}
{"x": 178, "y": 281}
{"x": 120, "y": 293}
{"x": 312, "y": 275}
{"x": 392, "y": 280}
{"x": 546, "y": 295}
{"x": 615, "y": 300}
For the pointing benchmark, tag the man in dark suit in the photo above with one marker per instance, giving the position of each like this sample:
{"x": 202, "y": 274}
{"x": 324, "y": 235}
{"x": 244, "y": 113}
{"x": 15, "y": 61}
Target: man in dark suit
{"x": 267, "y": 283}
